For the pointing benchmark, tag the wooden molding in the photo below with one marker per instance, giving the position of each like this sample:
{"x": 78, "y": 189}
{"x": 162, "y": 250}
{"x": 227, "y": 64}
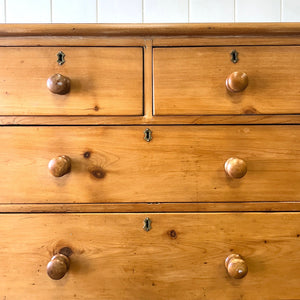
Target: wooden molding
{"x": 111, "y": 30}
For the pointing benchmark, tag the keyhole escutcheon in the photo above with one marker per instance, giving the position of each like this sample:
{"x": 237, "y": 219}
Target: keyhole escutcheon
{"x": 234, "y": 56}
{"x": 147, "y": 224}
{"x": 147, "y": 135}
{"x": 60, "y": 58}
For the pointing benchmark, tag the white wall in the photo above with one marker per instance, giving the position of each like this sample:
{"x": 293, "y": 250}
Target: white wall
{"x": 148, "y": 11}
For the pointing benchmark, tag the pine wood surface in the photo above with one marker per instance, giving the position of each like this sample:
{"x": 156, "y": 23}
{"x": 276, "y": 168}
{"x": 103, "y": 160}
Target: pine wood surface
{"x": 138, "y": 41}
{"x": 114, "y": 170}
{"x": 104, "y": 81}
{"x": 148, "y": 119}
{"x": 152, "y": 207}
{"x": 155, "y": 29}
{"x": 181, "y": 257}
{"x": 114, "y": 164}
{"x": 191, "y": 81}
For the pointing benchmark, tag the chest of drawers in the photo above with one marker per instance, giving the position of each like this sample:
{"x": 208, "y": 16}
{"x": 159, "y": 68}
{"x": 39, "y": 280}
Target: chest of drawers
{"x": 150, "y": 161}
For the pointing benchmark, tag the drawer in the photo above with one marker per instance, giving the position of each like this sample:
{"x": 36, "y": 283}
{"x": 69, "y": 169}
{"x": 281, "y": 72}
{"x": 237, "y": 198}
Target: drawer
{"x": 113, "y": 164}
{"x": 181, "y": 257}
{"x": 192, "y": 80}
{"x": 103, "y": 81}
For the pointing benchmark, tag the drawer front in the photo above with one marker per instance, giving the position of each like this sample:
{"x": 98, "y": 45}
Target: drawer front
{"x": 192, "y": 80}
{"x": 104, "y": 81}
{"x": 180, "y": 164}
{"x": 181, "y": 257}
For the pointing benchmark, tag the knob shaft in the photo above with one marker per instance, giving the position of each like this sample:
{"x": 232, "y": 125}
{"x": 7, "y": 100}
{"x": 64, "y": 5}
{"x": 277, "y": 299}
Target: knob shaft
{"x": 58, "y": 266}
{"x": 60, "y": 165}
{"x": 235, "y": 167}
{"x": 236, "y": 266}
{"x": 237, "y": 82}
{"x": 59, "y": 84}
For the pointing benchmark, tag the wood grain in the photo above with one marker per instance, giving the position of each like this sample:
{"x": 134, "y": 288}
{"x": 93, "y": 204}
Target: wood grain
{"x": 181, "y": 164}
{"x": 151, "y": 120}
{"x": 122, "y": 41}
{"x": 182, "y": 257}
{"x": 152, "y": 207}
{"x": 191, "y": 30}
{"x": 191, "y": 81}
{"x": 104, "y": 81}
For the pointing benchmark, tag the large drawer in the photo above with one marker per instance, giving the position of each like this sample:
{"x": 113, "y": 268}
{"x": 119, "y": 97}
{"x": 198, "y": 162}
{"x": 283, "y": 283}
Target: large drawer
{"x": 180, "y": 164}
{"x": 181, "y": 257}
{"x": 191, "y": 80}
{"x": 104, "y": 81}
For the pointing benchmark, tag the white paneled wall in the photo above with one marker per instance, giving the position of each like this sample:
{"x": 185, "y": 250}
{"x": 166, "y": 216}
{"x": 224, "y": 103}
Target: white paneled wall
{"x": 148, "y": 11}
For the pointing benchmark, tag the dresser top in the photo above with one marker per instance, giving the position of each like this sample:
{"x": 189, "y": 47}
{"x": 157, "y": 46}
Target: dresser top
{"x": 184, "y": 29}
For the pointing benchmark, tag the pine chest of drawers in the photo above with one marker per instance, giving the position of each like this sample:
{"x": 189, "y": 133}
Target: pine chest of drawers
{"x": 150, "y": 161}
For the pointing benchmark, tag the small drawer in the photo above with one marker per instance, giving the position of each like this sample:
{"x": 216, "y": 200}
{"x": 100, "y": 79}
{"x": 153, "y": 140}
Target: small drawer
{"x": 205, "y": 80}
{"x": 94, "y": 81}
{"x": 112, "y": 164}
{"x": 110, "y": 256}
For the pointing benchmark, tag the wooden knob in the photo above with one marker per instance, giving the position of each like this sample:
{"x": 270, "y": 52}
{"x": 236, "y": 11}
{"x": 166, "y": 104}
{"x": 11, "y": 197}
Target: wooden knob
{"x": 60, "y": 165}
{"x": 58, "y": 266}
{"x": 237, "y": 82}
{"x": 235, "y": 167}
{"x": 59, "y": 84}
{"x": 236, "y": 266}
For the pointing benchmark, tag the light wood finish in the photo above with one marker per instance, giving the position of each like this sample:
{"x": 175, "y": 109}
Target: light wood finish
{"x": 169, "y": 30}
{"x": 105, "y": 81}
{"x": 133, "y": 77}
{"x": 60, "y": 165}
{"x": 181, "y": 257}
{"x": 215, "y": 41}
{"x": 180, "y": 164}
{"x": 151, "y": 120}
{"x": 148, "y": 76}
{"x": 230, "y": 40}
{"x": 191, "y": 81}
{"x": 236, "y": 266}
{"x": 155, "y": 207}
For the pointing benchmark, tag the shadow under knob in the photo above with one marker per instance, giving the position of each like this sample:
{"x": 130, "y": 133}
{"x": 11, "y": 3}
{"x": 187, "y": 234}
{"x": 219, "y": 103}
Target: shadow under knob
{"x": 59, "y": 84}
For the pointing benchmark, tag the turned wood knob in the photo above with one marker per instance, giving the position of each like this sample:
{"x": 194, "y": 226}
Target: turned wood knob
{"x": 59, "y": 84}
{"x": 235, "y": 167}
{"x": 58, "y": 266}
{"x": 60, "y": 165}
{"x": 236, "y": 266}
{"x": 237, "y": 82}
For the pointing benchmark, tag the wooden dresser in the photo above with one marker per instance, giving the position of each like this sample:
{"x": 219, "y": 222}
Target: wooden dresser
{"x": 150, "y": 161}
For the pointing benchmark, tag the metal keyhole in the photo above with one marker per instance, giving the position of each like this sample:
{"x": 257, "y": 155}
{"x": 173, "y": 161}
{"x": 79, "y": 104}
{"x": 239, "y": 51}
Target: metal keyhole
{"x": 234, "y": 56}
{"x": 147, "y": 135}
{"x": 147, "y": 224}
{"x": 60, "y": 58}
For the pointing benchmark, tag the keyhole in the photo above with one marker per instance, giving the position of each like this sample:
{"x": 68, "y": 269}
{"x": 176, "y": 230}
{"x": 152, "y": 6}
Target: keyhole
{"x": 147, "y": 224}
{"x": 60, "y": 58}
{"x": 147, "y": 135}
{"x": 234, "y": 56}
